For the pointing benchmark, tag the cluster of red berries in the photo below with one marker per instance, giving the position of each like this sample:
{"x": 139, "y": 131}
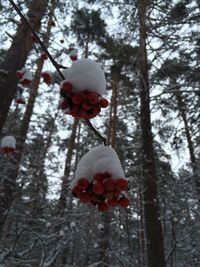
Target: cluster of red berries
{"x": 25, "y": 77}
{"x": 103, "y": 191}
{"x": 84, "y": 104}
{"x": 73, "y": 54}
{"x": 8, "y": 149}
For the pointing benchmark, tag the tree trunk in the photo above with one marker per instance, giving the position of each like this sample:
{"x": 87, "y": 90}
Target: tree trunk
{"x": 8, "y": 189}
{"x": 39, "y": 182}
{"x": 113, "y": 116}
{"x": 104, "y": 242}
{"x": 65, "y": 180}
{"x": 16, "y": 57}
{"x": 182, "y": 111}
{"x": 155, "y": 244}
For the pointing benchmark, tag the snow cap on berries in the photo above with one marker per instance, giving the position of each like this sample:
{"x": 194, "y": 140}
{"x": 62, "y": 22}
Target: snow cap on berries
{"x": 20, "y": 73}
{"x": 27, "y": 78}
{"x": 99, "y": 179}
{"x": 65, "y": 73}
{"x": 8, "y": 141}
{"x": 73, "y": 52}
{"x": 99, "y": 159}
{"x": 8, "y": 144}
{"x": 86, "y": 74}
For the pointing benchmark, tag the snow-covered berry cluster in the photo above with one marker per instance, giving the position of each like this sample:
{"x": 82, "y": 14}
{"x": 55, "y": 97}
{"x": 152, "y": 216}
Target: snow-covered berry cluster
{"x": 99, "y": 179}
{"x": 25, "y": 77}
{"x": 8, "y": 144}
{"x": 81, "y": 91}
{"x": 73, "y": 53}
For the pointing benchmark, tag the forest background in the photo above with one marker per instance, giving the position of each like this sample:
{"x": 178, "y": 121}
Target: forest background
{"x": 150, "y": 52}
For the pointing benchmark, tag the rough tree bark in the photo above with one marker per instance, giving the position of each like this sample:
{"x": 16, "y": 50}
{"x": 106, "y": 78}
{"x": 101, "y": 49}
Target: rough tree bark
{"x": 155, "y": 246}
{"x": 16, "y": 57}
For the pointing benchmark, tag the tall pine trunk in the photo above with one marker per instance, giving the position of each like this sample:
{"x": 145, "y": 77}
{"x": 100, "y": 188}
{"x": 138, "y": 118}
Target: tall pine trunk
{"x": 16, "y": 57}
{"x": 155, "y": 244}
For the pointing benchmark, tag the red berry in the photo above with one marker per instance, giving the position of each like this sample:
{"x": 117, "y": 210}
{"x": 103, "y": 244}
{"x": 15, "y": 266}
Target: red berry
{"x": 52, "y": 23}
{"x": 44, "y": 56}
{"x": 76, "y": 99}
{"x": 94, "y": 197}
{"x": 103, "y": 103}
{"x": 8, "y": 149}
{"x": 98, "y": 188}
{"x": 46, "y": 77}
{"x": 73, "y": 58}
{"x": 34, "y": 38}
{"x": 66, "y": 87}
{"x": 103, "y": 206}
{"x": 99, "y": 177}
{"x": 112, "y": 201}
{"x": 86, "y": 94}
{"x": 20, "y": 101}
{"x": 121, "y": 184}
{"x": 109, "y": 184}
{"x": 123, "y": 202}
{"x": 85, "y": 197}
{"x": 25, "y": 82}
{"x": 93, "y": 98}
{"x": 82, "y": 183}
{"x": 92, "y": 113}
{"x": 86, "y": 106}
{"x": 19, "y": 74}
{"x": 63, "y": 105}
{"x": 75, "y": 111}
{"x": 76, "y": 192}
{"x": 115, "y": 193}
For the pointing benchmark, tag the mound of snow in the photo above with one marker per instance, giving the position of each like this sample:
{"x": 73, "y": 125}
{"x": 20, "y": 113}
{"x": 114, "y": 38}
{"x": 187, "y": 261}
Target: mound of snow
{"x": 86, "y": 74}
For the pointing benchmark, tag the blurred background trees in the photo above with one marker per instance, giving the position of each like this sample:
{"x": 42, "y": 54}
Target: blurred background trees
{"x": 149, "y": 51}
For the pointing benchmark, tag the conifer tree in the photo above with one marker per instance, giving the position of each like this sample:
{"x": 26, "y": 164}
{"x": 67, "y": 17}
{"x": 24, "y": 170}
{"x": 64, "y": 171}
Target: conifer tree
{"x": 155, "y": 242}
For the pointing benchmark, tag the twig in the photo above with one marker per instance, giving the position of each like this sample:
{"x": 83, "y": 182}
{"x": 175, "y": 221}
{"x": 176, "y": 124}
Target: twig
{"x": 96, "y": 132}
{"x": 56, "y": 65}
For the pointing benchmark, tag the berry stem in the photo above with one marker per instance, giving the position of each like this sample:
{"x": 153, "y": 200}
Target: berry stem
{"x": 96, "y": 132}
